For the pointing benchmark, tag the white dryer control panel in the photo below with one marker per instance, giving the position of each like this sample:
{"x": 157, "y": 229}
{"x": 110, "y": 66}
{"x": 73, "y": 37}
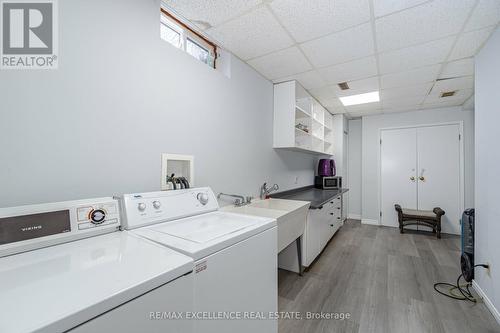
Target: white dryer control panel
{"x": 26, "y": 228}
{"x": 141, "y": 209}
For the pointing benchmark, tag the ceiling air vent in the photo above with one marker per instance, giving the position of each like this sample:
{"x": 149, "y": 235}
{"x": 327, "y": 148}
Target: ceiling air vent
{"x": 343, "y": 86}
{"x": 448, "y": 93}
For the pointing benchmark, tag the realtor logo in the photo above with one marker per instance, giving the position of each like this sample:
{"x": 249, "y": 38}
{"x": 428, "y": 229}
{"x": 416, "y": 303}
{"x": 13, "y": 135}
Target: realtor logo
{"x": 29, "y": 34}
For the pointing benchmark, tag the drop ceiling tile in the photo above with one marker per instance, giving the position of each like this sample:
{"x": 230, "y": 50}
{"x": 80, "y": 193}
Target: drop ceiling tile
{"x": 460, "y": 97}
{"x": 458, "y": 68}
{"x": 400, "y": 93}
{"x": 364, "y": 113}
{"x": 415, "y": 56}
{"x": 385, "y": 7}
{"x": 487, "y": 13}
{"x": 251, "y": 35}
{"x": 469, "y": 43}
{"x": 282, "y": 63}
{"x": 401, "y": 109}
{"x": 358, "y": 87}
{"x": 430, "y": 21}
{"x": 325, "y": 95}
{"x": 306, "y": 20}
{"x": 443, "y": 104}
{"x": 309, "y": 80}
{"x": 368, "y": 107}
{"x": 340, "y": 47}
{"x": 469, "y": 103}
{"x": 412, "y": 101}
{"x": 350, "y": 71}
{"x": 202, "y": 12}
{"x": 412, "y": 77}
{"x": 464, "y": 82}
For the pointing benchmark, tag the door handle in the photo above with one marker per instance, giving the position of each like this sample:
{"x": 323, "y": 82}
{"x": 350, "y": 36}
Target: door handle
{"x": 422, "y": 178}
{"x": 412, "y": 178}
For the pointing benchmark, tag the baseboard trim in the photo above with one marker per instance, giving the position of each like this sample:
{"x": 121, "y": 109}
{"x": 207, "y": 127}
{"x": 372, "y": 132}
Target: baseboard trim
{"x": 354, "y": 216}
{"x": 369, "y": 221}
{"x": 487, "y": 301}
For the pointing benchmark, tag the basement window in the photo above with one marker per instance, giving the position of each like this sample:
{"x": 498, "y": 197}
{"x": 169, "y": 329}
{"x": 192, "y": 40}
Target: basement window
{"x": 177, "y": 33}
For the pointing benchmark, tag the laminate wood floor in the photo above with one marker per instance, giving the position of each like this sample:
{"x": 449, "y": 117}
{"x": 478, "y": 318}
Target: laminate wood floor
{"x": 384, "y": 280}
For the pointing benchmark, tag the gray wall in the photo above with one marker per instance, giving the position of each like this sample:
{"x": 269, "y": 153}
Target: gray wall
{"x": 121, "y": 97}
{"x": 371, "y": 150}
{"x": 354, "y": 167}
{"x": 487, "y": 107}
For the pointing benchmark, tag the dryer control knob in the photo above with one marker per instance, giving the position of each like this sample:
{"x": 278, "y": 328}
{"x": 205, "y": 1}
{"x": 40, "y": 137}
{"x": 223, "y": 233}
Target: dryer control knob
{"x": 202, "y": 198}
{"x": 141, "y": 206}
{"x": 156, "y": 204}
{"x": 97, "y": 216}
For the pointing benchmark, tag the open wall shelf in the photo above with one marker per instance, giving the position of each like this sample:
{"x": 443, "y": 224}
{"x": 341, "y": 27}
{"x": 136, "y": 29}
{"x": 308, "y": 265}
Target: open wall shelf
{"x": 300, "y": 122}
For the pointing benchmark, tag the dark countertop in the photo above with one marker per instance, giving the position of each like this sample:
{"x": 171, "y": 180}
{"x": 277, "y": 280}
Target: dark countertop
{"x": 316, "y": 196}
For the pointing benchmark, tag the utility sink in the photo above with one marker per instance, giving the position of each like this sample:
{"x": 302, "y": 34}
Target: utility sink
{"x": 290, "y": 216}
{"x": 278, "y": 204}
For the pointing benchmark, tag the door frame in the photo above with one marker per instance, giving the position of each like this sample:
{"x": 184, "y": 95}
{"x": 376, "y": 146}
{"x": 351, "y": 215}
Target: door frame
{"x": 460, "y": 124}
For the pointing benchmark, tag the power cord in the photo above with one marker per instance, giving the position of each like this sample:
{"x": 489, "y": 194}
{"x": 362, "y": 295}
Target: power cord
{"x": 464, "y": 290}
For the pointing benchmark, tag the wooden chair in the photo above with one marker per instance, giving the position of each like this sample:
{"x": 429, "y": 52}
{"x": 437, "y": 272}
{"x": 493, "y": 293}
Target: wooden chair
{"x": 429, "y": 218}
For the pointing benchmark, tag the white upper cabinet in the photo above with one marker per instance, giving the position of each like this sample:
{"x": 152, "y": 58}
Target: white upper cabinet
{"x": 300, "y": 122}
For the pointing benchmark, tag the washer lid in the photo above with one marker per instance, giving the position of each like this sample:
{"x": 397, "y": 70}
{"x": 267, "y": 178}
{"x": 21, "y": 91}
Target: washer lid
{"x": 202, "y": 235}
{"x": 57, "y": 288}
{"x": 208, "y": 228}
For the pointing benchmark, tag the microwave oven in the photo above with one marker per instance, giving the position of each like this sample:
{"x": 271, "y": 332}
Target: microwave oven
{"x": 328, "y": 183}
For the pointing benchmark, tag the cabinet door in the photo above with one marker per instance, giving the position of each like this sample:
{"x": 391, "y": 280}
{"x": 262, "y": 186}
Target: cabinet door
{"x": 313, "y": 234}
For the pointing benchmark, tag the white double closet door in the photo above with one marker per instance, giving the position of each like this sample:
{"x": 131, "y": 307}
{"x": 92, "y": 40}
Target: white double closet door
{"x": 421, "y": 169}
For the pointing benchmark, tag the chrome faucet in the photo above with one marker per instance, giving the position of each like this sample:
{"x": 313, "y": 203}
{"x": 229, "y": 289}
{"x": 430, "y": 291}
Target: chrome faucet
{"x": 265, "y": 191}
{"x": 239, "y": 199}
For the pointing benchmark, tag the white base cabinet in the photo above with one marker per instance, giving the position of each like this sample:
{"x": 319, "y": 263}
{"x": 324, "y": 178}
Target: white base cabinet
{"x": 321, "y": 225}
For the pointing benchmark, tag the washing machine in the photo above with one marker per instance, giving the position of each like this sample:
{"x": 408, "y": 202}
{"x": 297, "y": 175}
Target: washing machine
{"x": 235, "y": 275}
{"x": 66, "y": 267}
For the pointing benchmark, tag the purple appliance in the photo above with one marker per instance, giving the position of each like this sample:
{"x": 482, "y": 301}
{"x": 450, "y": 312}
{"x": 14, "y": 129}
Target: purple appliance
{"x": 326, "y": 167}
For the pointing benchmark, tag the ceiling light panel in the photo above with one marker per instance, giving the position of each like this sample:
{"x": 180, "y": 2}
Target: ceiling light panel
{"x": 340, "y": 47}
{"x": 486, "y": 13}
{"x": 211, "y": 12}
{"x": 306, "y": 20}
{"x": 308, "y": 80}
{"x": 350, "y": 71}
{"x": 430, "y": 21}
{"x": 415, "y": 56}
{"x": 251, "y": 35}
{"x": 282, "y": 63}
{"x": 463, "y": 67}
{"x": 468, "y": 44}
{"x": 382, "y": 8}
{"x": 360, "y": 98}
